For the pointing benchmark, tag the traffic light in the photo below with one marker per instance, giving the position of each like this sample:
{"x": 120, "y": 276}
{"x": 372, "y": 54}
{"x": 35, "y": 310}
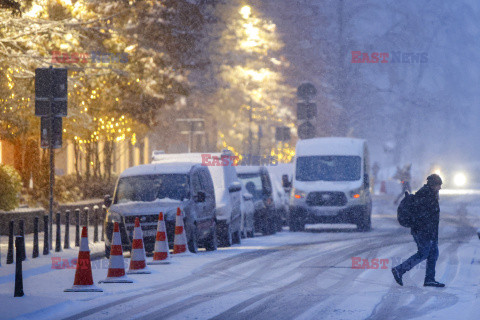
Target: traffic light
{"x": 306, "y": 111}
{"x": 56, "y": 134}
{"x": 51, "y": 84}
{"x": 51, "y": 95}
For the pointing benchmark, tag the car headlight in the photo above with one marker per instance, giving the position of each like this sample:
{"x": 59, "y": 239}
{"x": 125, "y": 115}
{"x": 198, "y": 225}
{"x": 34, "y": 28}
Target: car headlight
{"x": 356, "y": 193}
{"x": 298, "y": 194}
{"x": 460, "y": 179}
{"x": 113, "y": 216}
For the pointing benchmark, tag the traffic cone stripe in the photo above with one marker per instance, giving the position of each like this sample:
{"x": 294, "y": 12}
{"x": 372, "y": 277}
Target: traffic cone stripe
{"x": 137, "y": 243}
{"x": 161, "y": 236}
{"x": 178, "y": 229}
{"x": 137, "y": 264}
{"x": 116, "y": 250}
{"x": 160, "y": 255}
{"x": 113, "y": 273}
{"x": 179, "y": 248}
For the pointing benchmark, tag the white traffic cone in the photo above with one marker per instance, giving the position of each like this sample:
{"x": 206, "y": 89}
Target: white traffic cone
{"x": 180, "y": 241}
{"x": 137, "y": 261}
{"x": 161, "y": 254}
{"x": 116, "y": 265}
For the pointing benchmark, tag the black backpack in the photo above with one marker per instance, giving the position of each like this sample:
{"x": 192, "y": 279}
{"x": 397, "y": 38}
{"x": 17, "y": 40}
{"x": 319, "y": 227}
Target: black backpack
{"x": 406, "y": 211}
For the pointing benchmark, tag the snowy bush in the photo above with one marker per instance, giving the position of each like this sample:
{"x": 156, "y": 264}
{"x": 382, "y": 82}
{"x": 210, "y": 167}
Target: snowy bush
{"x": 10, "y": 186}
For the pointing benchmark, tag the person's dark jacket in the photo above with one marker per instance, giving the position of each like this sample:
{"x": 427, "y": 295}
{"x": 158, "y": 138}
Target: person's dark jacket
{"x": 427, "y": 213}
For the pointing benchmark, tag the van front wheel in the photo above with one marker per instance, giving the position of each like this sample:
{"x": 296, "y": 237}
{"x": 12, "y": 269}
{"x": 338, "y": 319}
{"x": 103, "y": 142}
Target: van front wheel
{"x": 224, "y": 234}
{"x": 365, "y": 222}
{"x": 296, "y": 221}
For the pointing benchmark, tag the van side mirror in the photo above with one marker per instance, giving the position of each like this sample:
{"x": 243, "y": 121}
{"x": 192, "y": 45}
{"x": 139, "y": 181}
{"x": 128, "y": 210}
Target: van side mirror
{"x": 107, "y": 200}
{"x": 199, "y": 197}
{"x": 285, "y": 182}
{"x": 234, "y": 187}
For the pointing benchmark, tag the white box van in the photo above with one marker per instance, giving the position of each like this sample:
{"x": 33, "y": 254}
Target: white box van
{"x": 331, "y": 183}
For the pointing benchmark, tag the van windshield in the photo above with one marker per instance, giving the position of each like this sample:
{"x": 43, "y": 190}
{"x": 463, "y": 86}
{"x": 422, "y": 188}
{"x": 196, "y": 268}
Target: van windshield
{"x": 328, "y": 168}
{"x": 148, "y": 188}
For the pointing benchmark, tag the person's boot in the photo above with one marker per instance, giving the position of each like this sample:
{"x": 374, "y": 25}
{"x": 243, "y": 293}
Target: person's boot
{"x": 397, "y": 276}
{"x": 433, "y": 283}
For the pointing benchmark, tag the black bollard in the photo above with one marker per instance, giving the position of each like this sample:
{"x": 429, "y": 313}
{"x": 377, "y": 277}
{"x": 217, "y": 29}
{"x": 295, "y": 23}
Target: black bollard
{"x": 35, "y": 238}
{"x": 77, "y": 227}
{"x": 46, "y": 247}
{"x": 58, "y": 238}
{"x": 104, "y": 214}
{"x": 95, "y": 227}
{"x": 20, "y": 248}
{"x": 86, "y": 218}
{"x": 66, "y": 244}
{"x": 21, "y": 232}
{"x": 10, "y": 243}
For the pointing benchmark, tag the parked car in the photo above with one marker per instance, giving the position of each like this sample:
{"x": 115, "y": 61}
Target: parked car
{"x": 257, "y": 182}
{"x": 331, "y": 183}
{"x": 248, "y": 214}
{"x": 145, "y": 191}
{"x": 227, "y": 190}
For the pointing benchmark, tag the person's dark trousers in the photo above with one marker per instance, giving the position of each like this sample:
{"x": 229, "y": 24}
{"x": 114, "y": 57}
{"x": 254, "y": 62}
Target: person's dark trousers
{"x": 427, "y": 249}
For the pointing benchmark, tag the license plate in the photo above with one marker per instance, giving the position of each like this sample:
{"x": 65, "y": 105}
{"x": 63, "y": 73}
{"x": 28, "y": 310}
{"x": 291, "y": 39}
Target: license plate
{"x": 149, "y": 233}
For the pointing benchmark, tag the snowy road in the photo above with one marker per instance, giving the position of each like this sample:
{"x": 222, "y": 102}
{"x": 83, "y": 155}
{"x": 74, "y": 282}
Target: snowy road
{"x": 305, "y": 275}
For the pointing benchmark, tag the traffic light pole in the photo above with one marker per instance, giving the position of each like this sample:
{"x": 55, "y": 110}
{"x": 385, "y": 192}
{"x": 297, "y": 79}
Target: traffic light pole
{"x": 52, "y": 167}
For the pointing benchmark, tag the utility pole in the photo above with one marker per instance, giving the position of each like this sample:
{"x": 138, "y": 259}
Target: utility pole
{"x": 250, "y": 133}
{"x": 51, "y": 99}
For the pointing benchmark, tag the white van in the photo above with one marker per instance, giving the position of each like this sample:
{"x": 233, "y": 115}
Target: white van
{"x": 331, "y": 183}
{"x": 227, "y": 190}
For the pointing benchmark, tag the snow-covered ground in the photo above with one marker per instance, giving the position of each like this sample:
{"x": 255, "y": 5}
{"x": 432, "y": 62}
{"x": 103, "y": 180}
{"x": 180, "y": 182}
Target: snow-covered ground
{"x": 306, "y": 275}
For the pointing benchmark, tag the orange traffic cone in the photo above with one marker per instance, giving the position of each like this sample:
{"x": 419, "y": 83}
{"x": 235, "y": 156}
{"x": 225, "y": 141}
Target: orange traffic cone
{"x": 383, "y": 188}
{"x": 137, "y": 261}
{"x": 161, "y": 254}
{"x": 180, "y": 240}
{"x": 83, "y": 276}
{"x": 116, "y": 265}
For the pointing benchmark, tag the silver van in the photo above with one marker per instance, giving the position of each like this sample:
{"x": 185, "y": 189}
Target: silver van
{"x": 145, "y": 191}
{"x": 227, "y": 188}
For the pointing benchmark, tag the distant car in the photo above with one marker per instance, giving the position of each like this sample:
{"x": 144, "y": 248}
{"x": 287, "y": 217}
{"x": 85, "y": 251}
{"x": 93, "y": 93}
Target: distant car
{"x": 227, "y": 190}
{"x": 257, "y": 182}
{"x": 458, "y": 174}
{"x": 145, "y": 191}
{"x": 248, "y": 214}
